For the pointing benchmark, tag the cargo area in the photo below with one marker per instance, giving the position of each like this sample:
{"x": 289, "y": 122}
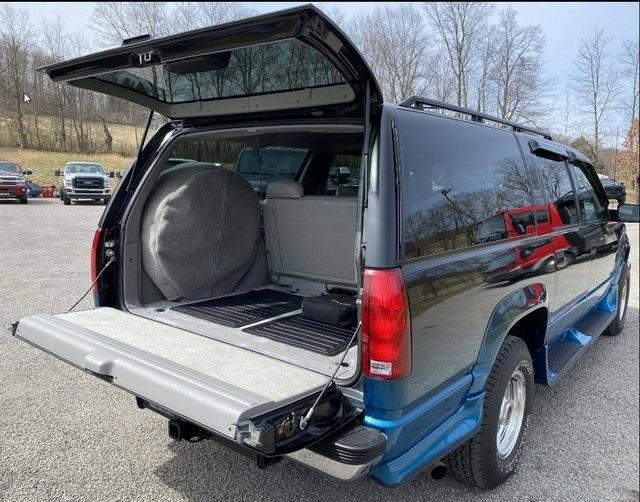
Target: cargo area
{"x": 233, "y": 230}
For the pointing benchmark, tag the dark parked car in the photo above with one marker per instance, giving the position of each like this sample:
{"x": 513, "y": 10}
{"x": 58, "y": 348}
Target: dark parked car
{"x": 615, "y": 190}
{"x": 359, "y": 332}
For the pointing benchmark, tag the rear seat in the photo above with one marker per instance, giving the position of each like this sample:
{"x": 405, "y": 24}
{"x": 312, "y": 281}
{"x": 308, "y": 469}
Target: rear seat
{"x": 309, "y": 237}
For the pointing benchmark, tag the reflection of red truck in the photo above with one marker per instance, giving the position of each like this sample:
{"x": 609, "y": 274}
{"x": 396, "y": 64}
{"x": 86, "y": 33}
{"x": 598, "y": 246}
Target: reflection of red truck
{"x": 537, "y": 258}
{"x": 12, "y": 182}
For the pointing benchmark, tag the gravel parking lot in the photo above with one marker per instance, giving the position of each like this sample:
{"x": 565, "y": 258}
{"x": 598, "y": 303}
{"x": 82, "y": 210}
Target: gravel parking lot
{"x": 65, "y": 435}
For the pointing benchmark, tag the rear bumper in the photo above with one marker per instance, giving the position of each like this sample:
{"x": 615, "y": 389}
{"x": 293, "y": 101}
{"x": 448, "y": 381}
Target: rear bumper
{"x": 347, "y": 455}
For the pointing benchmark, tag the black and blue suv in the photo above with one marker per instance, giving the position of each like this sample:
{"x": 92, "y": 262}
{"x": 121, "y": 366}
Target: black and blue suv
{"x": 362, "y": 287}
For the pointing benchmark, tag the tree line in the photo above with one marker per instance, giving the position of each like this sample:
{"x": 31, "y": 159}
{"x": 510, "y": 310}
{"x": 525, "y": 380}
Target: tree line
{"x": 474, "y": 54}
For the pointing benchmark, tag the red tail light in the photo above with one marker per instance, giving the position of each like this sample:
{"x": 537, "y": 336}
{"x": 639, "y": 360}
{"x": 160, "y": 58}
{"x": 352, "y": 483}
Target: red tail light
{"x": 386, "y": 325}
{"x": 93, "y": 258}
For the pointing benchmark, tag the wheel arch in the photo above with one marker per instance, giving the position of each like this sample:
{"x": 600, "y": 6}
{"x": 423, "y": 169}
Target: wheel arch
{"x": 522, "y": 313}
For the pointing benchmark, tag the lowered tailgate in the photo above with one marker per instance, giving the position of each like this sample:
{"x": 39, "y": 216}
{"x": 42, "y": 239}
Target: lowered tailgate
{"x": 212, "y": 384}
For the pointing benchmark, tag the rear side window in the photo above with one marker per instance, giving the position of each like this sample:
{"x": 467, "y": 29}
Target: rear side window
{"x": 591, "y": 206}
{"x": 462, "y": 185}
{"x": 559, "y": 190}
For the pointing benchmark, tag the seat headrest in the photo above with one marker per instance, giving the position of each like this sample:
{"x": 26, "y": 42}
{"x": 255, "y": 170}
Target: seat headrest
{"x": 284, "y": 189}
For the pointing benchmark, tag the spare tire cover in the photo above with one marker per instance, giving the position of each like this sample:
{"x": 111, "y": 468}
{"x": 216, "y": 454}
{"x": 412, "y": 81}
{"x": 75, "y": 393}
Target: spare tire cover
{"x": 200, "y": 231}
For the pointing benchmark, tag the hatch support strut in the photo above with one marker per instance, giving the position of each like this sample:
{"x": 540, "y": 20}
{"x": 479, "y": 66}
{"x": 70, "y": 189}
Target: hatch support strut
{"x": 140, "y": 147}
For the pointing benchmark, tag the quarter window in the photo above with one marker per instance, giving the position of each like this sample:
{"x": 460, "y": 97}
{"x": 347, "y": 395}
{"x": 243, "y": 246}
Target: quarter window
{"x": 463, "y": 185}
{"x": 590, "y": 205}
{"x": 559, "y": 190}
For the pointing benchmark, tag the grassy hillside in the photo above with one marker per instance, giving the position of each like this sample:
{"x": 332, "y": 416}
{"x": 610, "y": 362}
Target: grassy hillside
{"x": 48, "y": 133}
{"x": 44, "y": 163}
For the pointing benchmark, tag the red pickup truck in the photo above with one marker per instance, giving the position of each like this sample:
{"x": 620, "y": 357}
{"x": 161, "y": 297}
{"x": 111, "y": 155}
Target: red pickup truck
{"x": 523, "y": 260}
{"x": 13, "y": 185}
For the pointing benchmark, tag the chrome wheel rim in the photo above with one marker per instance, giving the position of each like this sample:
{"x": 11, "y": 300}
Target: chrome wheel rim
{"x": 623, "y": 300}
{"x": 511, "y": 414}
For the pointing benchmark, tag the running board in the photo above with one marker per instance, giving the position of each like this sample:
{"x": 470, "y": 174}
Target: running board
{"x": 571, "y": 344}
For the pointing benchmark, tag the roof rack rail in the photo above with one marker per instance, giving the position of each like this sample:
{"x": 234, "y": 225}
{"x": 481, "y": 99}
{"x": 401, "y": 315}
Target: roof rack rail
{"x": 422, "y": 103}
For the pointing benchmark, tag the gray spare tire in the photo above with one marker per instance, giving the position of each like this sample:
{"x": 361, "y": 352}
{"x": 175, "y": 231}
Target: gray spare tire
{"x": 200, "y": 231}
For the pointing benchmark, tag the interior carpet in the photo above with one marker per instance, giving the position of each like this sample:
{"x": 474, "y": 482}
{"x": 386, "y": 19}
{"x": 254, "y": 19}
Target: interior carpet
{"x": 247, "y": 308}
{"x": 305, "y": 334}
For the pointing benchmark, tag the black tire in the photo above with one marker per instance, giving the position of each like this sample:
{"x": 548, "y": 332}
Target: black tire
{"x": 105, "y": 202}
{"x": 24, "y": 201}
{"x": 477, "y": 461}
{"x": 66, "y": 200}
{"x": 624, "y": 283}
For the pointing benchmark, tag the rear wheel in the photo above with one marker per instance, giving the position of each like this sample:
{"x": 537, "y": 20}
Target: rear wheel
{"x": 617, "y": 325}
{"x": 491, "y": 456}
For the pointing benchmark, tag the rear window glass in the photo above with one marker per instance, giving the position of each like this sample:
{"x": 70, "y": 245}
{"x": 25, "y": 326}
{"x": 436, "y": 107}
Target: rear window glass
{"x": 463, "y": 185}
{"x": 273, "y": 162}
{"x": 247, "y": 71}
{"x": 344, "y": 176}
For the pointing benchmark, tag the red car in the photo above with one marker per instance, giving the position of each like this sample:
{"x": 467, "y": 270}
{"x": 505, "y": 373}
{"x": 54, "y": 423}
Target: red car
{"x": 13, "y": 185}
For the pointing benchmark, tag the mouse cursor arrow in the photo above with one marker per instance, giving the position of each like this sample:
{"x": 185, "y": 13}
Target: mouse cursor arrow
{"x": 26, "y": 98}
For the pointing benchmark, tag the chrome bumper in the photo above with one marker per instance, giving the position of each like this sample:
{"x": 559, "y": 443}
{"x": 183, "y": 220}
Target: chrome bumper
{"x": 333, "y": 468}
{"x": 347, "y": 455}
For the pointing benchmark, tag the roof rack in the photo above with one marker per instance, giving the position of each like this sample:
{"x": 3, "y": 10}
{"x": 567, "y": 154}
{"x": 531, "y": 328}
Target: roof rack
{"x": 422, "y": 103}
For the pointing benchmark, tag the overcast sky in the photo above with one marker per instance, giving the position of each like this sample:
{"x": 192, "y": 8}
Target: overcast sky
{"x": 564, "y": 24}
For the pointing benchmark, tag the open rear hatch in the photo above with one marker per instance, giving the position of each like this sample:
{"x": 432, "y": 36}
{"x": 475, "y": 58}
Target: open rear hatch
{"x": 291, "y": 59}
{"x": 246, "y": 397}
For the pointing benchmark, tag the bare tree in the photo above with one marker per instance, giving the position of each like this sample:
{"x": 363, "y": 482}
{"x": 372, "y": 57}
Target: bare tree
{"x": 17, "y": 38}
{"x": 396, "y": 44}
{"x": 594, "y": 82}
{"x": 190, "y": 15}
{"x": 518, "y": 67}
{"x": 484, "y": 90}
{"x": 630, "y": 66}
{"x": 114, "y": 22}
{"x": 460, "y": 27}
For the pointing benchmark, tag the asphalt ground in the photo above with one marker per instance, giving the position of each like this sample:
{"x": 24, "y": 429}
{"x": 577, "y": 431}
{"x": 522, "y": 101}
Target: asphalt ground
{"x": 65, "y": 435}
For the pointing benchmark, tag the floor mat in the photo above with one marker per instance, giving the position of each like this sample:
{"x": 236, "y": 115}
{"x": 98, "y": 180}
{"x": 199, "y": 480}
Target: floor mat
{"x": 247, "y": 308}
{"x": 305, "y": 334}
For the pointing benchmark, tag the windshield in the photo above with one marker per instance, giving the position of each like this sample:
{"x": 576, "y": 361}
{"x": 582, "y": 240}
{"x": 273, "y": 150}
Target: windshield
{"x": 280, "y": 162}
{"x": 491, "y": 229}
{"x": 84, "y": 169}
{"x": 9, "y": 167}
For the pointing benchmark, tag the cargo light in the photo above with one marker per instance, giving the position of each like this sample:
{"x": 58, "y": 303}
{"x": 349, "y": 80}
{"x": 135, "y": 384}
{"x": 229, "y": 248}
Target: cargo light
{"x": 386, "y": 326}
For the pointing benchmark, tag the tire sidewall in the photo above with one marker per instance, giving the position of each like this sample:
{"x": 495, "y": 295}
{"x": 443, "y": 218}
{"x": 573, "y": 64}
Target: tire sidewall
{"x": 626, "y": 276}
{"x": 505, "y": 467}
